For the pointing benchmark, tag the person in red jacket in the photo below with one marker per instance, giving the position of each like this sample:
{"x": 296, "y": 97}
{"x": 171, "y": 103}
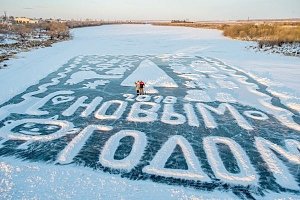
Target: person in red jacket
{"x": 142, "y": 86}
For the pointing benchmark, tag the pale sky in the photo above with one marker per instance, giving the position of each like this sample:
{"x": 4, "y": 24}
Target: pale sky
{"x": 153, "y": 9}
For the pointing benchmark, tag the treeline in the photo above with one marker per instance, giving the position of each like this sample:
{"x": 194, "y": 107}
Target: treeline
{"x": 86, "y": 23}
{"x": 78, "y": 24}
{"x": 54, "y": 30}
{"x": 181, "y": 21}
{"x": 191, "y": 24}
{"x": 17, "y": 37}
{"x": 276, "y": 33}
{"x": 270, "y": 33}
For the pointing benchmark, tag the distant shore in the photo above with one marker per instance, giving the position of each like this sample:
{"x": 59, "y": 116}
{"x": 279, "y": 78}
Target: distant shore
{"x": 273, "y": 36}
{"x": 20, "y": 37}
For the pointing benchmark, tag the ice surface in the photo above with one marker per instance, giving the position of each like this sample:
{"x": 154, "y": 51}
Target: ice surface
{"x": 73, "y": 148}
{"x": 195, "y": 138}
{"x": 87, "y": 75}
{"x": 247, "y": 173}
{"x": 128, "y": 163}
{"x": 193, "y": 172}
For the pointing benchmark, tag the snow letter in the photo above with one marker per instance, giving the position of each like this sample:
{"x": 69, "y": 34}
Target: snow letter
{"x": 280, "y": 171}
{"x": 101, "y": 112}
{"x": 72, "y": 149}
{"x": 107, "y": 155}
{"x": 191, "y": 115}
{"x": 193, "y": 172}
{"x": 90, "y": 107}
{"x": 247, "y": 173}
{"x": 148, "y": 115}
{"x": 35, "y": 108}
{"x": 30, "y": 136}
{"x": 169, "y": 116}
{"x": 209, "y": 120}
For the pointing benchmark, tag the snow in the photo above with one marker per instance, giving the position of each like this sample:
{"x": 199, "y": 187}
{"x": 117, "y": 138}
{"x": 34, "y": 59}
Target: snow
{"x": 291, "y": 49}
{"x": 7, "y": 134}
{"x": 197, "y": 95}
{"x": 152, "y": 75}
{"x": 150, "y": 114}
{"x": 87, "y": 75}
{"x": 169, "y": 114}
{"x": 277, "y": 196}
{"x": 210, "y": 90}
{"x": 191, "y": 115}
{"x": 256, "y": 115}
{"x": 247, "y": 173}
{"x": 73, "y": 148}
{"x": 220, "y": 110}
{"x": 117, "y": 71}
{"x": 281, "y": 173}
{"x": 246, "y": 93}
{"x": 295, "y": 106}
{"x": 101, "y": 112}
{"x": 8, "y": 41}
{"x": 90, "y": 107}
{"x": 107, "y": 155}
{"x": 155, "y": 40}
{"x": 193, "y": 172}
{"x": 69, "y": 182}
{"x": 95, "y": 84}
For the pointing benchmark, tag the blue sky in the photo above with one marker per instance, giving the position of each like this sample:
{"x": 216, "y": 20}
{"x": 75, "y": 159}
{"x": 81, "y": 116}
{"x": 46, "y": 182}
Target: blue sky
{"x": 154, "y": 9}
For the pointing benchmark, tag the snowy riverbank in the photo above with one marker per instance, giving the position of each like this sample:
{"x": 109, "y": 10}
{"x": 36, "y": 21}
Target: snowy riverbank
{"x": 287, "y": 49}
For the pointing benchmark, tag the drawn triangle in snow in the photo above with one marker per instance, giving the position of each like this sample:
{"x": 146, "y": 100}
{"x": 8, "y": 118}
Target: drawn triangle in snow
{"x": 152, "y": 75}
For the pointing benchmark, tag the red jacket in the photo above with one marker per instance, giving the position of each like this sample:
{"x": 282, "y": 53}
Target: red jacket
{"x": 142, "y": 84}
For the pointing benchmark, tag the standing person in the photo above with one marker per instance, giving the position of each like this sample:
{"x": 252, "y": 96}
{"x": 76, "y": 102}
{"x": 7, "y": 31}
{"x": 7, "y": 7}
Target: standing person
{"x": 137, "y": 87}
{"x": 142, "y": 85}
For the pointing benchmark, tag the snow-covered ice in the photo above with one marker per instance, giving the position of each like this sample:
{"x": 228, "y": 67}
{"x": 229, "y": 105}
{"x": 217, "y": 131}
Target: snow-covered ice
{"x": 217, "y": 122}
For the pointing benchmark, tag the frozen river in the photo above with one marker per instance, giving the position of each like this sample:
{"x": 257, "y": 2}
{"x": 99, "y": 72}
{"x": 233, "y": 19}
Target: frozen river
{"x": 217, "y": 120}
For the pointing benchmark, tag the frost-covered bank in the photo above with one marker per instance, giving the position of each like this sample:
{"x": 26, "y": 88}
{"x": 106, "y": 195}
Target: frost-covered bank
{"x": 288, "y": 49}
{"x": 16, "y": 37}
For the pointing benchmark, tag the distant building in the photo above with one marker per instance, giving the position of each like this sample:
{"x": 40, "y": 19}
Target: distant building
{"x": 25, "y": 20}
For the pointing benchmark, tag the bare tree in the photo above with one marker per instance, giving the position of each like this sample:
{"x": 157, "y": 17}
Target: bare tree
{"x": 22, "y": 31}
{"x": 58, "y": 30}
